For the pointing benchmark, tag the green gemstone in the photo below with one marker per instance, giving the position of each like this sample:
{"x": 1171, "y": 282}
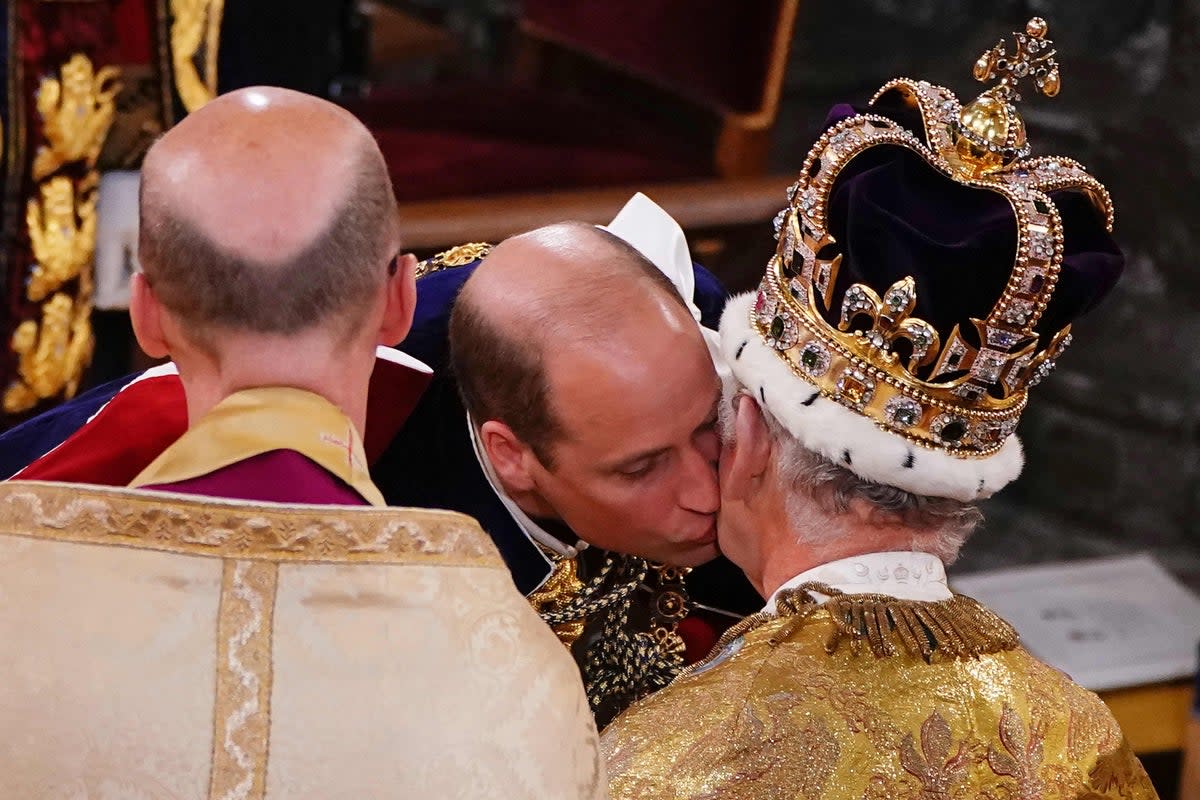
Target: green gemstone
{"x": 906, "y": 416}
{"x": 810, "y": 358}
{"x": 777, "y": 328}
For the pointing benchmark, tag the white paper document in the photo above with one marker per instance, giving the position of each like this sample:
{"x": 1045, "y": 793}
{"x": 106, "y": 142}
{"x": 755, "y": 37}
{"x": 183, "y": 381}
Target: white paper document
{"x": 1108, "y": 623}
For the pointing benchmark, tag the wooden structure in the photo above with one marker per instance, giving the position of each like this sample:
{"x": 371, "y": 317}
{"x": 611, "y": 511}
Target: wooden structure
{"x": 606, "y": 97}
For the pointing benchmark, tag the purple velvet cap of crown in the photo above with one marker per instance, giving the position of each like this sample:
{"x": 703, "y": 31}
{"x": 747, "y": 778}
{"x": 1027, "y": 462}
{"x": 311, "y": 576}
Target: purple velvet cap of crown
{"x": 893, "y": 216}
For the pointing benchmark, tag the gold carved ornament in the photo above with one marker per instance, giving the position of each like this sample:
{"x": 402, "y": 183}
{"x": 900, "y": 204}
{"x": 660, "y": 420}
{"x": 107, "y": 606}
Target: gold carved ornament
{"x": 77, "y": 110}
{"x": 195, "y": 24}
{"x": 62, "y": 232}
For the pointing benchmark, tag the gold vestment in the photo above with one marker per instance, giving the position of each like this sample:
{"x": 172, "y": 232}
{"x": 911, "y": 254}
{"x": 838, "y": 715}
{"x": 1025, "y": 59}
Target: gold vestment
{"x": 869, "y": 697}
{"x": 174, "y": 647}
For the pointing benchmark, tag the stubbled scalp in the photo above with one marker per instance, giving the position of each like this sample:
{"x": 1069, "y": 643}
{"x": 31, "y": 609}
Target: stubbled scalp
{"x": 266, "y": 210}
{"x": 232, "y": 171}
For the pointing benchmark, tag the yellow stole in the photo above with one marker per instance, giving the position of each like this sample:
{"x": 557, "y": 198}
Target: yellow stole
{"x": 256, "y": 421}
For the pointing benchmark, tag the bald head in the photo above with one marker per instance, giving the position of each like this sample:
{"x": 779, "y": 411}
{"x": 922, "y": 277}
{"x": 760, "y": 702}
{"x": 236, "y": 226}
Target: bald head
{"x": 266, "y": 210}
{"x": 567, "y": 273}
{"x": 558, "y": 292}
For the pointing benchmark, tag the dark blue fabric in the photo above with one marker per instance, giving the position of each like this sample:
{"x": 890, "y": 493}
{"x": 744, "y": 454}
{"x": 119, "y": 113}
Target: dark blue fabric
{"x": 32, "y": 439}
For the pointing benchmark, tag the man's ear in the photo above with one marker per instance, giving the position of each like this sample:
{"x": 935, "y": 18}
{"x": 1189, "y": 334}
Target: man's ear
{"x": 750, "y": 456}
{"x": 401, "y": 301}
{"x": 145, "y": 312}
{"x": 512, "y": 459}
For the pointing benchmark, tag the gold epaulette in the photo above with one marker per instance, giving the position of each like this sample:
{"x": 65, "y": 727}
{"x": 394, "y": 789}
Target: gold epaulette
{"x": 458, "y": 256}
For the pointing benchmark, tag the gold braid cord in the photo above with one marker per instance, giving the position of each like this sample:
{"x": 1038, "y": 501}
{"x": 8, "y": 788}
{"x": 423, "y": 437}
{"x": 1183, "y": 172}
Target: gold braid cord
{"x": 957, "y": 628}
{"x": 195, "y": 24}
{"x": 77, "y": 109}
{"x": 620, "y": 665}
{"x": 556, "y": 594}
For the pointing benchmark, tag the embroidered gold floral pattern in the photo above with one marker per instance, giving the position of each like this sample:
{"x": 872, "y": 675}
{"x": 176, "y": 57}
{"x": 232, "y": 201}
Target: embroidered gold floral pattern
{"x": 52, "y": 356}
{"x": 195, "y": 39}
{"x": 62, "y": 232}
{"x": 101, "y": 515}
{"x": 902, "y": 726}
{"x": 939, "y": 762}
{"x": 1019, "y": 753}
{"x": 559, "y": 590}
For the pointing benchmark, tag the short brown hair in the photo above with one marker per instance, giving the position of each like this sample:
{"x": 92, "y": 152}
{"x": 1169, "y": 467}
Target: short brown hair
{"x": 501, "y": 374}
{"x": 206, "y": 286}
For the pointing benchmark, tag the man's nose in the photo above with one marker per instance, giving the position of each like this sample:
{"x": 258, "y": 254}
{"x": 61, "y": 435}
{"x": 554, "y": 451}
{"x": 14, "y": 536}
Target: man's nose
{"x": 699, "y": 490}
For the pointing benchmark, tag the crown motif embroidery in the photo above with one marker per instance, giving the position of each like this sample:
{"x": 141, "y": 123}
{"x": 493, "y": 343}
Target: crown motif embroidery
{"x": 966, "y": 394}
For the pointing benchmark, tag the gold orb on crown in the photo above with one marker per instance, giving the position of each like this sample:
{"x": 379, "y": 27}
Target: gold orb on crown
{"x": 989, "y": 134}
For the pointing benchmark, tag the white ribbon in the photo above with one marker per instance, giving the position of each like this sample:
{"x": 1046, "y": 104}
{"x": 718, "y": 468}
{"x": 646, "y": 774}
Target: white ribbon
{"x": 655, "y": 234}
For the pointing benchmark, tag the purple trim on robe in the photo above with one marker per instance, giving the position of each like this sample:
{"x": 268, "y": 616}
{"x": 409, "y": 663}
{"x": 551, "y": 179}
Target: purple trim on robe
{"x": 280, "y": 476}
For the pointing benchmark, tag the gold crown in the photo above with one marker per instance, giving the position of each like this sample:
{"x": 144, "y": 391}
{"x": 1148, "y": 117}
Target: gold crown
{"x": 963, "y": 396}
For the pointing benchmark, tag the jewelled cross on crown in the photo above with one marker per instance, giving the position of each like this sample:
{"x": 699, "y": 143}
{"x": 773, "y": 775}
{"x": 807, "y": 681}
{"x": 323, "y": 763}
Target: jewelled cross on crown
{"x": 989, "y": 134}
{"x": 1034, "y": 58}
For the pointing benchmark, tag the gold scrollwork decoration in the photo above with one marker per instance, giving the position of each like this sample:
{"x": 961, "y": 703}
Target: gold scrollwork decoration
{"x": 77, "y": 107}
{"x": 62, "y": 232}
{"x": 77, "y": 110}
{"x": 52, "y": 356}
{"x": 195, "y": 24}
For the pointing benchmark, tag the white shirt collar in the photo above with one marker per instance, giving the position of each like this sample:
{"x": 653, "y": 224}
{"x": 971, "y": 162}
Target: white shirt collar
{"x": 904, "y": 575}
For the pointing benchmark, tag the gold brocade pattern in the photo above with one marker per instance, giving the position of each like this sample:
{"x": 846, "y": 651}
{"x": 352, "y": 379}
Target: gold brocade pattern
{"x": 241, "y": 651}
{"x": 195, "y": 25}
{"x": 77, "y": 110}
{"x": 242, "y": 710}
{"x": 268, "y": 532}
{"x": 811, "y": 704}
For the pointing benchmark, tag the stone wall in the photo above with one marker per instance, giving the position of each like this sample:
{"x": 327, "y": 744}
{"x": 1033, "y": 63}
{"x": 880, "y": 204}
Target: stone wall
{"x": 1112, "y": 438}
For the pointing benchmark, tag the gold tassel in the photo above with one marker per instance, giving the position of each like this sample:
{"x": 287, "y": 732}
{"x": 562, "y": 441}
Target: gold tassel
{"x": 956, "y": 628}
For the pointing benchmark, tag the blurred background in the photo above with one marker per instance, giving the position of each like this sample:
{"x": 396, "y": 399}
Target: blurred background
{"x": 500, "y": 115}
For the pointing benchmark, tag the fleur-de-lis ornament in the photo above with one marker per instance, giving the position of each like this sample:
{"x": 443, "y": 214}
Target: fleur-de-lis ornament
{"x": 891, "y": 320}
